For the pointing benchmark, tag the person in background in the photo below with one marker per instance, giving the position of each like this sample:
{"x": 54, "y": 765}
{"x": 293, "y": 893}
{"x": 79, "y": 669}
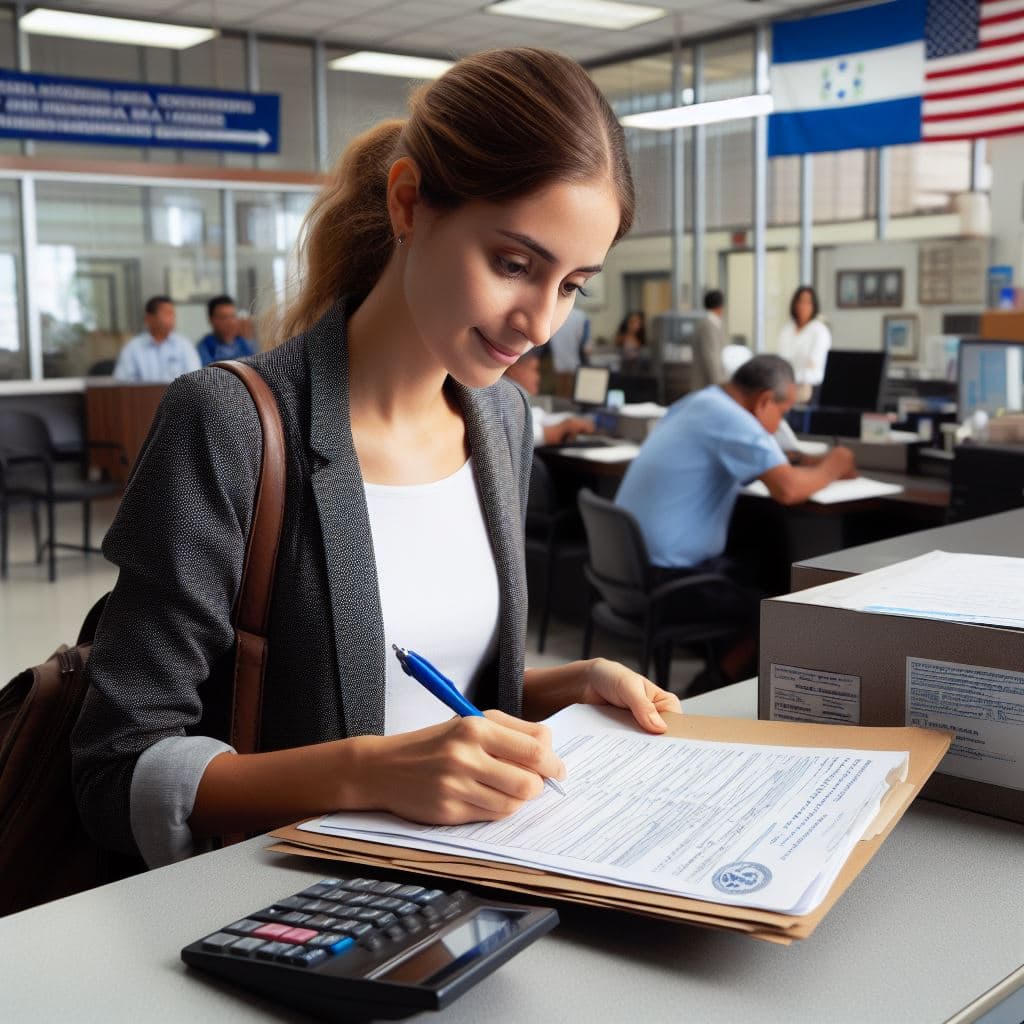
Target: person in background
{"x": 568, "y": 344}
{"x": 157, "y": 355}
{"x": 804, "y": 342}
{"x": 548, "y": 427}
{"x": 709, "y": 341}
{"x": 683, "y": 484}
{"x": 224, "y": 341}
{"x": 631, "y": 336}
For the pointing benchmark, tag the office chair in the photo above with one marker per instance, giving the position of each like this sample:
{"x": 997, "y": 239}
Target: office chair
{"x": 27, "y": 474}
{"x": 553, "y": 532}
{"x": 627, "y": 600}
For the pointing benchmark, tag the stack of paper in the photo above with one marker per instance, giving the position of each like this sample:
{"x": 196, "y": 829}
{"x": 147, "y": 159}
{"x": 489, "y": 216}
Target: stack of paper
{"x": 606, "y": 453}
{"x": 838, "y": 491}
{"x": 707, "y": 824}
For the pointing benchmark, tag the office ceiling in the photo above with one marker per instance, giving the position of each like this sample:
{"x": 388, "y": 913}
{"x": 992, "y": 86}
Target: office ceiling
{"x": 444, "y": 28}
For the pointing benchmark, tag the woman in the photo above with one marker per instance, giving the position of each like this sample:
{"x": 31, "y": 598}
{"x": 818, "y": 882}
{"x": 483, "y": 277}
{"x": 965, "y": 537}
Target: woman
{"x": 440, "y": 250}
{"x": 631, "y": 336}
{"x": 804, "y": 341}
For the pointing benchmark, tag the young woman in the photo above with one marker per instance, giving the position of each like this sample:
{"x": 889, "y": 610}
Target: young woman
{"x": 804, "y": 341}
{"x": 441, "y": 249}
{"x": 631, "y": 336}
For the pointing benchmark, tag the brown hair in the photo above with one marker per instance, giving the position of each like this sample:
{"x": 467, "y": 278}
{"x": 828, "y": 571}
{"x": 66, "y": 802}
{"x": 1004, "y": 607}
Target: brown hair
{"x": 496, "y": 126}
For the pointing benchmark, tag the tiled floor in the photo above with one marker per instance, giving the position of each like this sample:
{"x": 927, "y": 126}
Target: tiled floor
{"x": 36, "y": 616}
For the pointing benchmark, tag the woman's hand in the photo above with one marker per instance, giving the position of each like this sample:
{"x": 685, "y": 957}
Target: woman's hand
{"x": 465, "y": 769}
{"x": 608, "y": 682}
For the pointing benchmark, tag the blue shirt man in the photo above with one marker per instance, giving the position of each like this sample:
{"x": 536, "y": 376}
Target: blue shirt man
{"x": 157, "y": 355}
{"x": 683, "y": 484}
{"x": 224, "y": 341}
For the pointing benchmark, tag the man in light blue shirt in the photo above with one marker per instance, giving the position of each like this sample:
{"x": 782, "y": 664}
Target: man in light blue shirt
{"x": 157, "y": 354}
{"x": 683, "y": 484}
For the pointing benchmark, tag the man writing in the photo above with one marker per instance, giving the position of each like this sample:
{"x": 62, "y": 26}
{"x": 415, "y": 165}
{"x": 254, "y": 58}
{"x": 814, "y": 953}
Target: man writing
{"x": 157, "y": 354}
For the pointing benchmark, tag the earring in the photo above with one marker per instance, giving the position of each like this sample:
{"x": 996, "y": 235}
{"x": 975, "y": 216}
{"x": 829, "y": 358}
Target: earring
{"x": 400, "y": 240}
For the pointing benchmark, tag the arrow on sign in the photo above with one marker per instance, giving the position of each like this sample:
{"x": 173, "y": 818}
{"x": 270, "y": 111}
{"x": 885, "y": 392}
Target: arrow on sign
{"x": 259, "y": 138}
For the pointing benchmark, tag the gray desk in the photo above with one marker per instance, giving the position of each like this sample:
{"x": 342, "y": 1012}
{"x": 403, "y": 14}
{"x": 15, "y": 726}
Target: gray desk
{"x": 1001, "y": 534}
{"x": 936, "y": 919}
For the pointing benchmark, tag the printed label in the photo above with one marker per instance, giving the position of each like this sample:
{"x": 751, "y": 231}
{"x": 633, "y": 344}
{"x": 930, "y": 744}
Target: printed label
{"x": 982, "y": 707}
{"x": 814, "y": 695}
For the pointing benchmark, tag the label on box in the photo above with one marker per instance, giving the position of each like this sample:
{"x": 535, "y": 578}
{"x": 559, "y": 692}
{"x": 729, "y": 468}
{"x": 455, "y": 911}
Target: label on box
{"x": 814, "y": 695}
{"x": 982, "y": 707}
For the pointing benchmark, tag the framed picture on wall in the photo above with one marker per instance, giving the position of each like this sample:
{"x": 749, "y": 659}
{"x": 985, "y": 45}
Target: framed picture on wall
{"x": 899, "y": 335}
{"x": 870, "y": 288}
{"x": 892, "y": 287}
{"x": 848, "y": 289}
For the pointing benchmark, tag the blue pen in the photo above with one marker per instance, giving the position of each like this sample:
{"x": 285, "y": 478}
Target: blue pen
{"x": 445, "y": 690}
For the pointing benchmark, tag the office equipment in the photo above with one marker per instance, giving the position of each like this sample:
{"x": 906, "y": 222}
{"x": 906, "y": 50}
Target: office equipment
{"x": 937, "y": 640}
{"x": 418, "y": 668}
{"x": 853, "y": 380}
{"x": 985, "y": 479}
{"x": 366, "y": 947}
{"x": 925, "y": 749}
{"x": 991, "y": 377}
{"x": 590, "y": 385}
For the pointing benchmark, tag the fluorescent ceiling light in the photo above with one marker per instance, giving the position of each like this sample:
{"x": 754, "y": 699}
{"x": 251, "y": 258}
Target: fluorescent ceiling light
{"x": 45, "y": 22}
{"x": 605, "y": 14}
{"x": 701, "y": 113}
{"x": 397, "y": 64}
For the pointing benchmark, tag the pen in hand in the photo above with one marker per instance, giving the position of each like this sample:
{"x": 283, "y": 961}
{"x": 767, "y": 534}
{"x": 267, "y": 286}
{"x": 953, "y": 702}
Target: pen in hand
{"x": 445, "y": 690}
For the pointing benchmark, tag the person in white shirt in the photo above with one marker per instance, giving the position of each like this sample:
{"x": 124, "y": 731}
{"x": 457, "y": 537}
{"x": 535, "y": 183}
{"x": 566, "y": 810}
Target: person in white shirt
{"x": 548, "y": 427}
{"x": 157, "y": 355}
{"x": 568, "y": 342}
{"x": 804, "y": 341}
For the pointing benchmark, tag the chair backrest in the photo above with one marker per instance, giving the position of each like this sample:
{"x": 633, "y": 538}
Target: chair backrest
{"x": 23, "y": 433}
{"x": 620, "y": 567}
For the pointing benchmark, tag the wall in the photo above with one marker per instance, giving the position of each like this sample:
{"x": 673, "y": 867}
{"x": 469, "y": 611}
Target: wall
{"x": 1006, "y": 155}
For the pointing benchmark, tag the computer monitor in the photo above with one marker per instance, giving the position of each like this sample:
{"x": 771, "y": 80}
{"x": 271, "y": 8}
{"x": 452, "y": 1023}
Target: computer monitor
{"x": 991, "y": 377}
{"x": 590, "y": 385}
{"x": 853, "y": 380}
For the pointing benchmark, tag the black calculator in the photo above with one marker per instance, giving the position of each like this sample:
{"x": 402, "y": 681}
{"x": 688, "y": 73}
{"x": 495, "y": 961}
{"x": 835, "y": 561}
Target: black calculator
{"x": 367, "y": 948}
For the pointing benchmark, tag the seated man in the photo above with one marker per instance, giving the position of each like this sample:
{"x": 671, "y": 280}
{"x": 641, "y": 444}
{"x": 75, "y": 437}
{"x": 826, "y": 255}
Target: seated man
{"x": 683, "y": 485}
{"x": 224, "y": 341}
{"x": 157, "y": 354}
{"x": 548, "y": 428}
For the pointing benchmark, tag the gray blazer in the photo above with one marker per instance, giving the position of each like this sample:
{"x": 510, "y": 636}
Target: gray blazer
{"x": 708, "y": 341}
{"x": 160, "y": 663}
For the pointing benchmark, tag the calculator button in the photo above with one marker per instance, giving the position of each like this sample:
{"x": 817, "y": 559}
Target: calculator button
{"x": 427, "y": 897}
{"x": 220, "y": 941}
{"x": 292, "y": 903}
{"x": 318, "y": 906}
{"x": 325, "y": 940}
{"x": 385, "y": 919}
{"x": 318, "y": 890}
{"x": 246, "y": 947}
{"x": 356, "y": 929}
{"x": 244, "y": 927}
{"x": 271, "y": 931}
{"x": 404, "y": 909}
{"x": 324, "y": 921}
{"x": 412, "y": 923}
{"x": 297, "y": 935}
{"x": 299, "y": 956}
{"x": 293, "y": 917}
{"x": 366, "y": 914}
{"x": 272, "y": 950}
{"x": 409, "y": 892}
{"x": 341, "y": 946}
{"x": 359, "y": 899}
{"x": 359, "y": 884}
{"x": 396, "y": 932}
{"x": 386, "y": 903}
{"x": 384, "y": 888}
{"x": 372, "y": 942}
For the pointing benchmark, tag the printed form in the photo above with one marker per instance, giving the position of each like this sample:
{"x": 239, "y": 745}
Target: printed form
{"x": 758, "y": 826}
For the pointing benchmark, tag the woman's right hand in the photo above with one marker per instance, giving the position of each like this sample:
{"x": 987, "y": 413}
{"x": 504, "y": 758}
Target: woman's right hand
{"x": 462, "y": 770}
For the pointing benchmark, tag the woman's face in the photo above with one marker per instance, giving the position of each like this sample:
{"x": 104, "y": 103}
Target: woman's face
{"x": 634, "y": 323}
{"x": 487, "y": 282}
{"x": 803, "y": 308}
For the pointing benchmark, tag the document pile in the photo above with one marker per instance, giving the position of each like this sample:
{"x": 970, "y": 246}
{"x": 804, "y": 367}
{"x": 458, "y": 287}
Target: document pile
{"x": 758, "y": 837}
{"x": 858, "y": 489}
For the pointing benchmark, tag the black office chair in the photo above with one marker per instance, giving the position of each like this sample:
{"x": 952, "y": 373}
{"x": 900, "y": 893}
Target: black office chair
{"x": 629, "y": 603}
{"x": 27, "y": 473}
{"x": 553, "y": 532}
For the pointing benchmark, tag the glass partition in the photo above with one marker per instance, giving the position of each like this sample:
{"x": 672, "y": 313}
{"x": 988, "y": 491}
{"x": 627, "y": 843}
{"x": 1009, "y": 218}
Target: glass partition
{"x": 14, "y": 362}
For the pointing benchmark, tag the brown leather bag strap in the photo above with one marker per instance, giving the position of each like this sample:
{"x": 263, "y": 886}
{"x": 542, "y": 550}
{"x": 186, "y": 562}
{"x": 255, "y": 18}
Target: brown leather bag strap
{"x": 252, "y": 609}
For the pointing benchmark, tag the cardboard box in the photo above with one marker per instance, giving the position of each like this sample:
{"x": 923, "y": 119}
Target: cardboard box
{"x": 830, "y": 664}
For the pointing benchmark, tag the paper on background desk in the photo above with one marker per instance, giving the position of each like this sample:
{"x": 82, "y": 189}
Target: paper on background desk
{"x": 642, "y": 409}
{"x": 749, "y": 825}
{"x": 838, "y": 491}
{"x": 983, "y": 589}
{"x": 607, "y": 453}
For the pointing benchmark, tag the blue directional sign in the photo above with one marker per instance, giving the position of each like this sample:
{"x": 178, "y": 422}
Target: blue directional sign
{"x": 57, "y": 109}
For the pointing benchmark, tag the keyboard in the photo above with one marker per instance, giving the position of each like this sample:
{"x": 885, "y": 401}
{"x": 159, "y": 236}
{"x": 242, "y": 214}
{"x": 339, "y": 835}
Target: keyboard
{"x": 369, "y": 947}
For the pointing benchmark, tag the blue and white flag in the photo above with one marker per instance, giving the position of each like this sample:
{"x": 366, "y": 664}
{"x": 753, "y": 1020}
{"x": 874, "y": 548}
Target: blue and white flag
{"x": 852, "y": 80}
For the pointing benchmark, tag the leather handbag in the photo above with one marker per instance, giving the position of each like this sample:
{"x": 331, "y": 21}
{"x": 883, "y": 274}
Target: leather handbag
{"x": 45, "y": 851}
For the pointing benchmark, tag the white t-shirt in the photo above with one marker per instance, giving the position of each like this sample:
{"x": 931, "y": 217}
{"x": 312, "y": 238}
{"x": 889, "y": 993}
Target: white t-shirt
{"x": 806, "y": 349}
{"x": 438, "y": 589}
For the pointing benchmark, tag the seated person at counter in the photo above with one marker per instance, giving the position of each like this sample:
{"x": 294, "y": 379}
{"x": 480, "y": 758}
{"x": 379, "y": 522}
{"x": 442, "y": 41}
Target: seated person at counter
{"x": 224, "y": 341}
{"x": 683, "y": 485}
{"x": 548, "y": 428}
{"x": 157, "y": 355}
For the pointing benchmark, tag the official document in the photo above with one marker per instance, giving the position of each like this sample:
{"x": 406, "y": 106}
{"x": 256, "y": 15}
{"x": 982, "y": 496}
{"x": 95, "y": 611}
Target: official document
{"x": 835, "y": 493}
{"x": 758, "y": 826}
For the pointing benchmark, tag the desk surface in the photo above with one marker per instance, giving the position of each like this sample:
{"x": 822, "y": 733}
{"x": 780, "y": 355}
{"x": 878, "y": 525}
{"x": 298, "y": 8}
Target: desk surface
{"x": 936, "y": 919}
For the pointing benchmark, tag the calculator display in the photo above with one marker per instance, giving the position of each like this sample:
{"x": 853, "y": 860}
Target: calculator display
{"x": 476, "y": 937}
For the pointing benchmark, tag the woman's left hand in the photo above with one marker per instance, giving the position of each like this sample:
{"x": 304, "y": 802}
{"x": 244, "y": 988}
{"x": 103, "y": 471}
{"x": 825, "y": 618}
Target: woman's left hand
{"x": 608, "y": 682}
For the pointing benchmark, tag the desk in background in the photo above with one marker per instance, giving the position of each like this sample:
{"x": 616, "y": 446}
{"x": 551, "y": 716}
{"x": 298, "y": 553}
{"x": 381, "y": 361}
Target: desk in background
{"x": 936, "y": 919}
{"x": 122, "y": 413}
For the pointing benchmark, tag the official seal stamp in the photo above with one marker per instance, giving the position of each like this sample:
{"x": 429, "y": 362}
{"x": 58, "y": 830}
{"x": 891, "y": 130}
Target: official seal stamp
{"x": 742, "y": 877}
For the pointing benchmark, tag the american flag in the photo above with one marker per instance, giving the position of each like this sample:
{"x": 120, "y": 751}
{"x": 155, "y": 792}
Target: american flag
{"x": 974, "y": 69}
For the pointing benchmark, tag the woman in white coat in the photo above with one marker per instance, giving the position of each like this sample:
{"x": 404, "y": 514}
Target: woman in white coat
{"x": 804, "y": 341}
